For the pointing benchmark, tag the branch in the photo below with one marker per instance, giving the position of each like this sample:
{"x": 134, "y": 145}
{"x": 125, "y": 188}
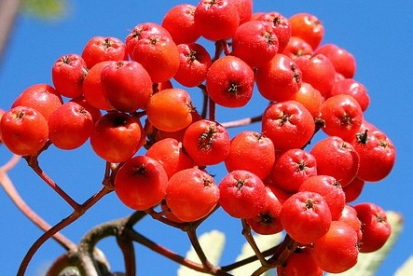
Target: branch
{"x": 34, "y": 164}
{"x": 242, "y": 122}
{"x": 8, "y": 13}
{"x": 77, "y": 213}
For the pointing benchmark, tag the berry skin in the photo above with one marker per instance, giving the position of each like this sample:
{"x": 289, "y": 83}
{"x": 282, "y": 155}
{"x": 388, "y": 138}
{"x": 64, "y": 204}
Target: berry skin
{"x": 194, "y": 64}
{"x": 328, "y": 187}
{"x": 288, "y": 124}
{"x": 192, "y": 194}
{"x": 99, "y": 49}
{"x": 243, "y": 194}
{"x": 297, "y": 47}
{"x": 254, "y": 147}
{"x": 308, "y": 27}
{"x": 342, "y": 116}
{"x": 300, "y": 263}
{"x": 127, "y": 85}
{"x": 170, "y": 154}
{"x": 24, "y": 130}
{"x": 374, "y": 225}
{"x": 158, "y": 54}
{"x": 353, "y": 88}
{"x": 377, "y": 155}
{"x": 141, "y": 183}
{"x": 309, "y": 97}
{"x": 267, "y": 222}
{"x": 292, "y": 168}
{"x": 68, "y": 73}
{"x": 41, "y": 97}
{"x": 112, "y": 130}
{"x": 306, "y": 217}
{"x": 170, "y": 109}
{"x": 318, "y": 71}
{"x": 230, "y": 82}
{"x": 179, "y": 22}
{"x": 343, "y": 61}
{"x": 281, "y": 27}
{"x": 70, "y": 126}
{"x": 336, "y": 251}
{"x": 255, "y": 42}
{"x": 336, "y": 158}
{"x": 215, "y": 19}
{"x": 279, "y": 79}
{"x": 207, "y": 142}
{"x": 93, "y": 89}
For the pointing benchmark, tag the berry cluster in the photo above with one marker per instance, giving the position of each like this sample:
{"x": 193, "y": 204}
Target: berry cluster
{"x": 119, "y": 95}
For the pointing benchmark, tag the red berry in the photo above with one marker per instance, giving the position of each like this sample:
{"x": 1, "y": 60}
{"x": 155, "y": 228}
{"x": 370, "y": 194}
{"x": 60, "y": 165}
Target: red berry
{"x": 230, "y": 82}
{"x": 343, "y": 61}
{"x": 306, "y": 217}
{"x": 192, "y": 194}
{"x": 99, "y": 49}
{"x": 179, "y": 22}
{"x": 243, "y": 194}
{"x": 24, "y": 130}
{"x": 308, "y": 27}
{"x": 141, "y": 183}
{"x": 68, "y": 73}
{"x": 288, "y": 124}
{"x": 70, "y": 126}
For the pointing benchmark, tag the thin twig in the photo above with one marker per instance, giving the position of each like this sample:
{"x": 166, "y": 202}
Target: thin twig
{"x": 8, "y": 12}
{"x": 64, "y": 223}
{"x": 242, "y": 122}
{"x": 246, "y": 232}
{"x": 34, "y": 164}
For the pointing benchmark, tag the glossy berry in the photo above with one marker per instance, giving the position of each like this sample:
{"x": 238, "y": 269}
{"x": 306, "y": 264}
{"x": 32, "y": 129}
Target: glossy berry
{"x": 230, "y": 82}
{"x": 243, "y": 194}
{"x": 216, "y": 19}
{"x": 308, "y": 27}
{"x": 41, "y": 97}
{"x": 337, "y": 251}
{"x": 343, "y": 61}
{"x": 292, "y": 167}
{"x": 192, "y": 194}
{"x": 279, "y": 79}
{"x": 24, "y": 130}
{"x": 127, "y": 85}
{"x": 141, "y": 183}
{"x": 288, "y": 124}
{"x": 99, "y": 49}
{"x": 207, "y": 142}
{"x": 353, "y": 88}
{"x": 180, "y": 23}
{"x": 68, "y": 73}
{"x": 306, "y": 217}
{"x": 170, "y": 109}
{"x": 112, "y": 130}
{"x": 374, "y": 225}
{"x": 70, "y": 126}
{"x": 254, "y": 147}
{"x": 281, "y": 27}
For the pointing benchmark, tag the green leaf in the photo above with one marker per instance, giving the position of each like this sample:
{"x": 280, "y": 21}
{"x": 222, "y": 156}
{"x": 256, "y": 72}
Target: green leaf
{"x": 213, "y": 244}
{"x": 46, "y": 9}
{"x": 406, "y": 269}
{"x": 263, "y": 242}
{"x": 369, "y": 263}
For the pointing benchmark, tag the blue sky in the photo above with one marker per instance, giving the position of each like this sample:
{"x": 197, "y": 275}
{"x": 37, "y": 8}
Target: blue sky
{"x": 378, "y": 35}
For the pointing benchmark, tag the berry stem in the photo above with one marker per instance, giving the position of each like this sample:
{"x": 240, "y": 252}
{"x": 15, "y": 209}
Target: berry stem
{"x": 11, "y": 191}
{"x": 246, "y": 232}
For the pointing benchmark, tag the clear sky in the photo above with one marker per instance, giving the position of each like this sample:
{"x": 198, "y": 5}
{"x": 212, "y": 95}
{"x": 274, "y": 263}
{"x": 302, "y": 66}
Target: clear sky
{"x": 379, "y": 34}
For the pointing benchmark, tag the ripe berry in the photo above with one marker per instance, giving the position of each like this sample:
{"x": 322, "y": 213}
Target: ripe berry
{"x": 70, "y": 126}
{"x": 141, "y": 183}
{"x": 288, "y": 124}
{"x": 179, "y": 22}
{"x": 243, "y": 194}
{"x": 230, "y": 82}
{"x": 337, "y": 251}
{"x": 41, "y": 97}
{"x": 306, "y": 217}
{"x": 308, "y": 27}
{"x": 343, "y": 61}
{"x": 192, "y": 194}
{"x": 99, "y": 49}
{"x": 111, "y": 131}
{"x": 24, "y": 130}
{"x": 207, "y": 142}
{"x": 68, "y": 73}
